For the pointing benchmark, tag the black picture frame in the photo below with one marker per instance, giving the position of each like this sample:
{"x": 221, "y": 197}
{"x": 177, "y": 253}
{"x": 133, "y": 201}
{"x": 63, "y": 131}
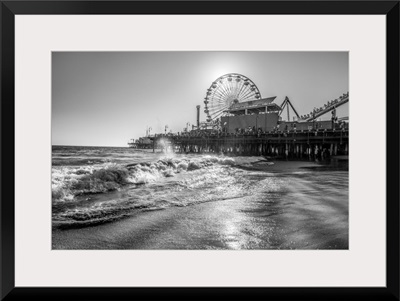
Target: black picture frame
{"x": 11, "y": 8}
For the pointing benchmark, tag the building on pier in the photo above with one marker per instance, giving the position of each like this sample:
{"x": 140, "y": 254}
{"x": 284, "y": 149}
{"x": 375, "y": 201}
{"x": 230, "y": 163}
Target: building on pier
{"x": 141, "y": 143}
{"x": 259, "y": 114}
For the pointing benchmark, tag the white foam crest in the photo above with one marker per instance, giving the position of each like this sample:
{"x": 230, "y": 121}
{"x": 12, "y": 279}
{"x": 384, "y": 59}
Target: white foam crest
{"x": 68, "y": 182}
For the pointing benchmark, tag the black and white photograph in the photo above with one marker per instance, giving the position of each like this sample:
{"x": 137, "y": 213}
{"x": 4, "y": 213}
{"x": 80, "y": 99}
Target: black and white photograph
{"x": 200, "y": 150}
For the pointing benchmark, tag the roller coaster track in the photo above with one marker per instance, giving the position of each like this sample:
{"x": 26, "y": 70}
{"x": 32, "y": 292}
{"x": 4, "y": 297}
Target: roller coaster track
{"x": 341, "y": 101}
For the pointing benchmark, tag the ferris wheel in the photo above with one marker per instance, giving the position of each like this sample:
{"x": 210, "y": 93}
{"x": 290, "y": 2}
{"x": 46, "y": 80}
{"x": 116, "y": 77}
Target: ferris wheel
{"x": 227, "y": 90}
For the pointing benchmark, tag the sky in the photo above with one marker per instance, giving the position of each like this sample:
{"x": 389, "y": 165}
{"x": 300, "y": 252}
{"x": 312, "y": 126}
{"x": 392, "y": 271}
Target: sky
{"x": 108, "y": 98}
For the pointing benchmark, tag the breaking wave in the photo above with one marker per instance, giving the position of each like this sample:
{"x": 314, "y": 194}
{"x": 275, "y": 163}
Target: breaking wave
{"x": 90, "y": 195}
{"x": 87, "y": 195}
{"x": 68, "y": 182}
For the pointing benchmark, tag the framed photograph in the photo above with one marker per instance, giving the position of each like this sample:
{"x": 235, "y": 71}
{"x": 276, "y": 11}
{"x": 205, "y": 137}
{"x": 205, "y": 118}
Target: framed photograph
{"x": 200, "y": 150}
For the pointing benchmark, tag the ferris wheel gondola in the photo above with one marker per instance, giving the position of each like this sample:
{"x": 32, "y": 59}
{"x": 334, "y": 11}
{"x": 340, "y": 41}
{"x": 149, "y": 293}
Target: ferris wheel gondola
{"x": 227, "y": 90}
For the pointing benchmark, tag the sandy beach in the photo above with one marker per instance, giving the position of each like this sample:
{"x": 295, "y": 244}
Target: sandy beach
{"x": 307, "y": 215}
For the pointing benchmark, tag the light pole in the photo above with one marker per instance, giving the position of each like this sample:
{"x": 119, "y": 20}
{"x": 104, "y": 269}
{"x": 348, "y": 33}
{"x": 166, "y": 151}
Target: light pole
{"x": 313, "y": 119}
{"x": 266, "y": 113}
{"x": 198, "y": 116}
{"x": 256, "y": 122}
{"x": 334, "y": 118}
{"x": 166, "y": 127}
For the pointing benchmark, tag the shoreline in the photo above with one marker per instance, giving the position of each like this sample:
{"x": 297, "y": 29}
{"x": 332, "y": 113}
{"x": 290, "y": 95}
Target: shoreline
{"x": 298, "y": 218}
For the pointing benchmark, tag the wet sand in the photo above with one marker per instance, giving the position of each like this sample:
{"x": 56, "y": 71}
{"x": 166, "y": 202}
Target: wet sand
{"x": 308, "y": 215}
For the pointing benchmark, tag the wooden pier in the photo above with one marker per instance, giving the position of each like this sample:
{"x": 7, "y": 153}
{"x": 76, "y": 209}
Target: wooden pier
{"x": 290, "y": 144}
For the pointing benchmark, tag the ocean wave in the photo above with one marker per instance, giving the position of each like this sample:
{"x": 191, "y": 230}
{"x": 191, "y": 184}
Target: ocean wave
{"x": 68, "y": 182}
{"x": 212, "y": 184}
{"x": 187, "y": 181}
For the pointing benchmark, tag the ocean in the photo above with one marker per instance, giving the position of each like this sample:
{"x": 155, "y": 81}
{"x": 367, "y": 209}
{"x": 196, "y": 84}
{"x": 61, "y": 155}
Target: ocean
{"x": 97, "y": 186}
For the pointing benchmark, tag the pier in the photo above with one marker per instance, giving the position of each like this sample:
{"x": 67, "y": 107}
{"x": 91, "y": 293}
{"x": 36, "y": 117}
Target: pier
{"x": 290, "y": 144}
{"x": 241, "y": 122}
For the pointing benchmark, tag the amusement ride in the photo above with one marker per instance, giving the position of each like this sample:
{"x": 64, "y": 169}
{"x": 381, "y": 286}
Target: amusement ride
{"x": 227, "y": 90}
